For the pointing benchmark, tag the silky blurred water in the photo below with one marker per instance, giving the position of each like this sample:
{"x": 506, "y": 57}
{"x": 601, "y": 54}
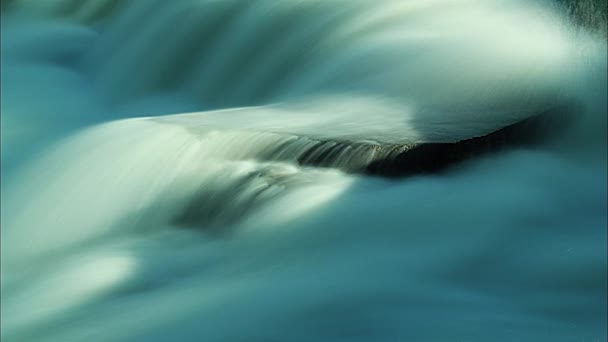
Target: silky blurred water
{"x": 145, "y": 197}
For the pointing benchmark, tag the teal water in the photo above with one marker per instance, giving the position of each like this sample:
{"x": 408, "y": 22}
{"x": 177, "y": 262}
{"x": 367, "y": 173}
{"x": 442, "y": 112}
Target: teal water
{"x": 152, "y": 187}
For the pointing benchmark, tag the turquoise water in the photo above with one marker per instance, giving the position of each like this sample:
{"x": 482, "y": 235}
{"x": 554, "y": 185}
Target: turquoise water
{"x": 152, "y": 186}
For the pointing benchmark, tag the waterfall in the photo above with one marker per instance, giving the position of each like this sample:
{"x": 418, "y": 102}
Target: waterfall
{"x": 424, "y": 170}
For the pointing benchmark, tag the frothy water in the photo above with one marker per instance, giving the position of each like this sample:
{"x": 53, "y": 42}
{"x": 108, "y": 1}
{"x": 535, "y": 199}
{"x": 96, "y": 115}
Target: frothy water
{"x": 194, "y": 170}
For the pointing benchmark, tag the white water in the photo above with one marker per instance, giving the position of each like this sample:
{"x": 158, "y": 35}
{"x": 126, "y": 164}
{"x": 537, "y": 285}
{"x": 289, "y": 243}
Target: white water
{"x": 123, "y": 220}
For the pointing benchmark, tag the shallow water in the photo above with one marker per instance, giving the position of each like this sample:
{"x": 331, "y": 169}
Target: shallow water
{"x": 153, "y": 183}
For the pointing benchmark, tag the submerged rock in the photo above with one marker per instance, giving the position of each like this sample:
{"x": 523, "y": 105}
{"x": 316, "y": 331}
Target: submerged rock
{"x": 402, "y": 160}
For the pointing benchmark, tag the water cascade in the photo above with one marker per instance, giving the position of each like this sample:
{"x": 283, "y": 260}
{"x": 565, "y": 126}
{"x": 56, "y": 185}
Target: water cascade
{"x": 424, "y": 170}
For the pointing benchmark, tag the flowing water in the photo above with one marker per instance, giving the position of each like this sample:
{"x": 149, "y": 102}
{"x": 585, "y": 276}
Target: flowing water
{"x": 191, "y": 170}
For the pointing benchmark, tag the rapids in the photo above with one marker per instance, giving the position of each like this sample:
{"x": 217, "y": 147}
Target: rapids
{"x": 196, "y": 170}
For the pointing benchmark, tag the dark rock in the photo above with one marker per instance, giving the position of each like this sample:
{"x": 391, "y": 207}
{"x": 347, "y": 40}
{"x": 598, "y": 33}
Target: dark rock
{"x": 436, "y": 157}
